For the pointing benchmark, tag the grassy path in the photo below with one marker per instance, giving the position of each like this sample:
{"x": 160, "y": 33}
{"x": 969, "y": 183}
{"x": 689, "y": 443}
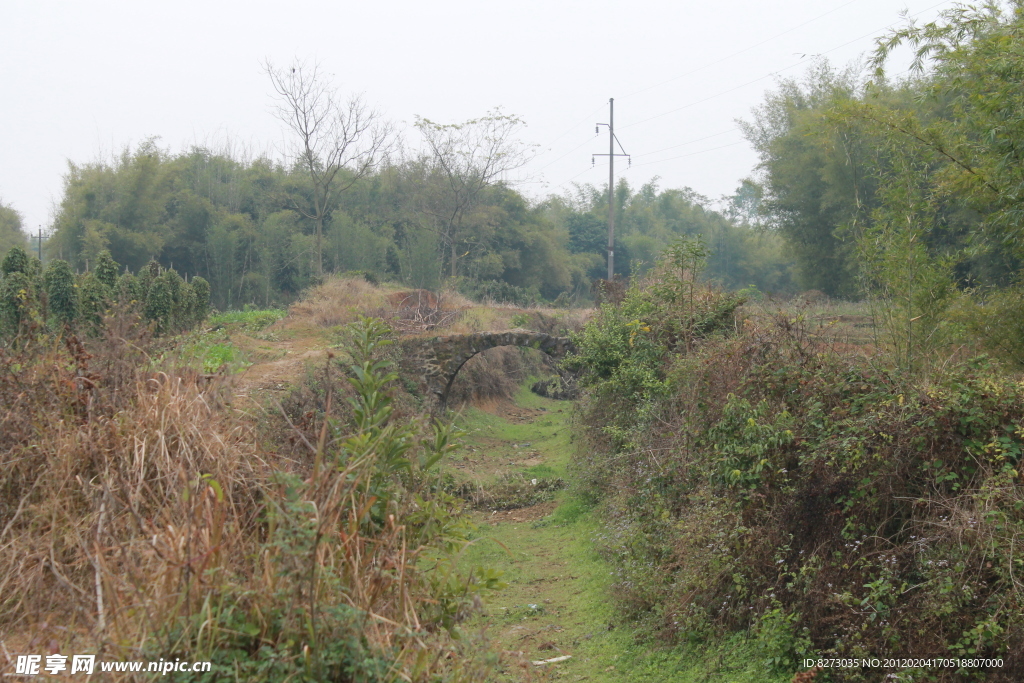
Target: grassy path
{"x": 557, "y": 599}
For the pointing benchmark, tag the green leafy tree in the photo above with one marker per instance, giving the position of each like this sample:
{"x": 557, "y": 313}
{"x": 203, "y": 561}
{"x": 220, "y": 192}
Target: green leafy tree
{"x": 15, "y": 261}
{"x": 816, "y": 182}
{"x": 146, "y": 277}
{"x": 187, "y": 315}
{"x": 94, "y": 298}
{"x": 129, "y": 290}
{"x": 61, "y": 292}
{"x": 18, "y": 302}
{"x": 175, "y": 288}
{"x": 106, "y": 270}
{"x": 201, "y": 289}
{"x": 160, "y": 304}
{"x": 976, "y": 55}
{"x": 11, "y": 229}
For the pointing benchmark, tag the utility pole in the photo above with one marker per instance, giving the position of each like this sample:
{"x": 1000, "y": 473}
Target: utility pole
{"x": 40, "y": 243}
{"x": 612, "y": 140}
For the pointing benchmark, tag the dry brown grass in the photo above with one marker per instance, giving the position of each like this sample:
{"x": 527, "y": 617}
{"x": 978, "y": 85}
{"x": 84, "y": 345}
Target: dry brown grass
{"x": 494, "y": 374}
{"x": 141, "y": 516}
{"x": 337, "y": 301}
{"x": 836, "y": 322}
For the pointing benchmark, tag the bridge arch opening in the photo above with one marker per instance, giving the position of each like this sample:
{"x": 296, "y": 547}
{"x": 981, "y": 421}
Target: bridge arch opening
{"x": 439, "y": 359}
{"x": 446, "y": 392}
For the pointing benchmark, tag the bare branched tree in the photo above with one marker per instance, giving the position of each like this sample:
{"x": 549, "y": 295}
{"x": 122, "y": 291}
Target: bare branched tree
{"x": 332, "y": 135}
{"x": 468, "y": 157}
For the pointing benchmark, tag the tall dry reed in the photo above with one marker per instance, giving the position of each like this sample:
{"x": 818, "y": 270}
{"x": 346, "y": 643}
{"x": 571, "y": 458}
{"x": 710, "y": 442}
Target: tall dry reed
{"x": 143, "y": 517}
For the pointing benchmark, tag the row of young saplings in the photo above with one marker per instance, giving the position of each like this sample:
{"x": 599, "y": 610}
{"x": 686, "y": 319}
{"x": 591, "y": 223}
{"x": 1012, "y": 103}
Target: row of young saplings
{"x": 33, "y": 298}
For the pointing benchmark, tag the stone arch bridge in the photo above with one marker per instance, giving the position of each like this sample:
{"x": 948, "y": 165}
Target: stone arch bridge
{"x": 435, "y": 361}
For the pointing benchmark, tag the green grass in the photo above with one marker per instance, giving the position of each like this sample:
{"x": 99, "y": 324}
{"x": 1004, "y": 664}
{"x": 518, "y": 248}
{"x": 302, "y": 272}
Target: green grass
{"x": 549, "y": 434}
{"x": 250, "y": 321}
{"x": 540, "y": 472}
{"x": 208, "y": 352}
{"x": 553, "y": 565}
{"x": 210, "y": 349}
{"x": 558, "y": 598}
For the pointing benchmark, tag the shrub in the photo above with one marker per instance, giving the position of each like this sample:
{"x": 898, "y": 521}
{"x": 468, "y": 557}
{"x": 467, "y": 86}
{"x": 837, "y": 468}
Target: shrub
{"x": 496, "y": 291}
{"x": 202, "y": 293}
{"x": 826, "y": 502}
{"x": 15, "y": 261}
{"x": 784, "y": 484}
{"x": 62, "y": 292}
{"x": 18, "y": 302}
{"x": 622, "y": 352}
{"x": 129, "y": 290}
{"x": 94, "y": 299}
{"x": 160, "y": 304}
{"x": 106, "y": 271}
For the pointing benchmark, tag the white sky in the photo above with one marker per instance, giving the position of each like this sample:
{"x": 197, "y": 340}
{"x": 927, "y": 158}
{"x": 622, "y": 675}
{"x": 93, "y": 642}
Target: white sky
{"x": 80, "y": 80}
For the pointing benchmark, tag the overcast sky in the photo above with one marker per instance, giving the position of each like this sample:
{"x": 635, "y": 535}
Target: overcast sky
{"x": 81, "y": 80}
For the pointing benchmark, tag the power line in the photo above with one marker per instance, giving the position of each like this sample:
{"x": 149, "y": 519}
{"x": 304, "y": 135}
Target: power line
{"x": 683, "y": 144}
{"x": 675, "y": 78}
{"x": 657, "y": 161}
{"x": 565, "y": 182}
{"x": 719, "y": 94}
{"x": 682, "y": 156}
{"x": 572, "y": 128}
{"x": 710, "y": 64}
{"x": 585, "y": 142}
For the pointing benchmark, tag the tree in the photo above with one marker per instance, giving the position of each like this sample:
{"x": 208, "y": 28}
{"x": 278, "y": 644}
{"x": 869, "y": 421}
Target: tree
{"x": 466, "y": 158}
{"x": 61, "y": 292}
{"x": 18, "y": 301}
{"x": 814, "y": 172}
{"x": 976, "y": 60}
{"x": 106, "y": 270}
{"x": 16, "y": 260}
{"x": 11, "y": 233}
{"x": 332, "y": 135}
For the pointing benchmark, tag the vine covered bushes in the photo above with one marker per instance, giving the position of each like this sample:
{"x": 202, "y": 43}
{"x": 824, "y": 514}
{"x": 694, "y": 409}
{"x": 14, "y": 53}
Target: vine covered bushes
{"x": 623, "y": 352}
{"x": 32, "y": 298}
{"x": 807, "y": 494}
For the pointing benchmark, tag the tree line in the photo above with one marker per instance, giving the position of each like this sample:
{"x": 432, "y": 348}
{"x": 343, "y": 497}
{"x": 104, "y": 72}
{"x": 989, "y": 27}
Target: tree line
{"x": 858, "y": 169}
{"x": 862, "y": 178}
{"x": 250, "y": 228}
{"x": 908, "y": 191}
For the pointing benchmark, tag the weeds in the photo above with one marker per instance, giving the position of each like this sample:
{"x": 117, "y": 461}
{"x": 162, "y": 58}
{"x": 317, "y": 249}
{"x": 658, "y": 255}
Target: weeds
{"x": 147, "y": 521}
{"x": 338, "y": 301}
{"x": 511, "y": 492}
{"x": 252, "y": 321}
{"x": 817, "y": 498}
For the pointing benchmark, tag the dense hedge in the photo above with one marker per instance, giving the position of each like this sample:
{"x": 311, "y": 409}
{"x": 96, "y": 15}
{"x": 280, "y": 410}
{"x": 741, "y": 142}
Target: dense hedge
{"x": 31, "y": 298}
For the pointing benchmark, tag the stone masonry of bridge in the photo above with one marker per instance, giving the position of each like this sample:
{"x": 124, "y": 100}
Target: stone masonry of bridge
{"x": 435, "y": 361}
